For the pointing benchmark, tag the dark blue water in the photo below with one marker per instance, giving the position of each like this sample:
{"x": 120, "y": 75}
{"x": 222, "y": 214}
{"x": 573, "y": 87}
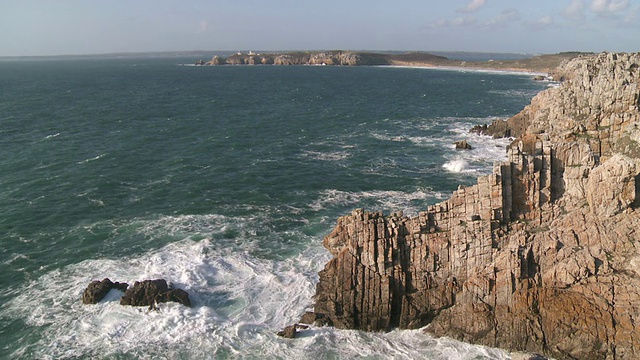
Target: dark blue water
{"x": 223, "y": 180}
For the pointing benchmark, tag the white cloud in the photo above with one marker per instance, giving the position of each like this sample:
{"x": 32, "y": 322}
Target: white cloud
{"x": 505, "y": 17}
{"x": 609, "y": 6}
{"x": 545, "y": 21}
{"x": 575, "y": 10}
{"x": 456, "y": 22}
{"x": 473, "y": 6}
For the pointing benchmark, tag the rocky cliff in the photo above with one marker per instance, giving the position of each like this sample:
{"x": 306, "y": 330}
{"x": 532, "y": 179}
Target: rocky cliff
{"x": 542, "y": 256}
{"x": 347, "y": 58}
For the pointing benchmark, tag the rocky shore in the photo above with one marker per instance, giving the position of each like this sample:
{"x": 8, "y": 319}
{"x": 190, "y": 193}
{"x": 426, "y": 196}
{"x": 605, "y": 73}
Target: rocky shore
{"x": 541, "y": 256}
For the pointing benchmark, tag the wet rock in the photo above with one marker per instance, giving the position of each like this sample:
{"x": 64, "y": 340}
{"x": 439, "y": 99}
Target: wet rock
{"x": 97, "y": 290}
{"x": 174, "y": 295}
{"x": 462, "y": 145}
{"x": 316, "y": 319}
{"x": 497, "y": 129}
{"x": 151, "y": 292}
{"x": 290, "y": 331}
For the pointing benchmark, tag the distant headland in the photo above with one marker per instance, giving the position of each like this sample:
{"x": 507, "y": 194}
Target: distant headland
{"x": 537, "y": 63}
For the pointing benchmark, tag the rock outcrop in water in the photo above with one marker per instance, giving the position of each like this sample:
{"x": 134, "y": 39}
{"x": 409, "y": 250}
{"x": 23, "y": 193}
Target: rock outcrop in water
{"x": 97, "y": 290}
{"x": 542, "y": 256}
{"x": 142, "y": 293}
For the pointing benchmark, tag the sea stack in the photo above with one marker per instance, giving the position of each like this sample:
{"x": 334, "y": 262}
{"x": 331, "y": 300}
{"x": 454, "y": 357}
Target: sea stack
{"x": 542, "y": 256}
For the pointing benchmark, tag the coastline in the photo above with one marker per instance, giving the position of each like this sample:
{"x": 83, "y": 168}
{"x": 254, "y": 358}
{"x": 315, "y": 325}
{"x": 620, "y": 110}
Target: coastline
{"x": 540, "y": 65}
{"x": 514, "y": 71}
{"x": 515, "y": 260}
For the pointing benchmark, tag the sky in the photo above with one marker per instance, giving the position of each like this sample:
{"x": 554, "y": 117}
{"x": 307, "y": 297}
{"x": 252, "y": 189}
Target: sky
{"x": 73, "y": 27}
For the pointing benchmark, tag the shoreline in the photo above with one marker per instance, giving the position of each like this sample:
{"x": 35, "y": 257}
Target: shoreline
{"x": 472, "y": 69}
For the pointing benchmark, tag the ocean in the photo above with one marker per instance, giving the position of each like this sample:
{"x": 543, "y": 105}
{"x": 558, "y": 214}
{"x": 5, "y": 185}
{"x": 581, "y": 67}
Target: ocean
{"x": 224, "y": 181}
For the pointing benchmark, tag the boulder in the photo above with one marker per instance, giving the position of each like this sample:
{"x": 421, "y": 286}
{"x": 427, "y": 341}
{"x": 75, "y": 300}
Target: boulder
{"x": 462, "y": 145}
{"x": 313, "y": 318}
{"x": 174, "y": 295}
{"x": 97, "y": 290}
{"x": 151, "y": 292}
{"x": 289, "y": 332}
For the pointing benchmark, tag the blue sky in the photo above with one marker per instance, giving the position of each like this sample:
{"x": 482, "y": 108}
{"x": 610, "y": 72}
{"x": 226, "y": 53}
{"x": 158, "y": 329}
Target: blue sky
{"x": 56, "y": 27}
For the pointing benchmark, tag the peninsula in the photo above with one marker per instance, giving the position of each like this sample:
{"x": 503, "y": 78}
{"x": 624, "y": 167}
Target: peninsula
{"x": 541, "y": 256}
{"x": 539, "y": 63}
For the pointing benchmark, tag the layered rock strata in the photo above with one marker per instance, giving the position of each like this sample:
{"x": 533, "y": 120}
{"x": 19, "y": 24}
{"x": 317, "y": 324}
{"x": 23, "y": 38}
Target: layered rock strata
{"x": 542, "y": 256}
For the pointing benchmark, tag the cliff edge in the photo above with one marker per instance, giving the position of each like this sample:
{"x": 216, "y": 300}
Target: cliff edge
{"x": 541, "y": 256}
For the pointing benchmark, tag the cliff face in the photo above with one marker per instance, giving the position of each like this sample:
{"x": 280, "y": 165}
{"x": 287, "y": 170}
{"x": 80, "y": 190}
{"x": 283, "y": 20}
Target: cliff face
{"x": 347, "y": 58}
{"x": 543, "y": 255}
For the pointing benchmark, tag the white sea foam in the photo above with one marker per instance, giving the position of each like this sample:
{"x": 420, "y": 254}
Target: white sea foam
{"x": 236, "y": 298}
{"x": 52, "y": 136}
{"x": 326, "y": 156}
{"x": 386, "y": 137}
{"x": 424, "y": 140}
{"x": 391, "y": 200}
{"x": 91, "y": 159}
{"x": 239, "y": 302}
{"x": 515, "y": 93}
{"x": 484, "y": 153}
{"x": 457, "y": 166}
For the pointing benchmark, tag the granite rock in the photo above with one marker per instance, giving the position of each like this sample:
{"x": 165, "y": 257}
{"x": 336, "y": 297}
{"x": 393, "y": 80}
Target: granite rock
{"x": 541, "y": 256}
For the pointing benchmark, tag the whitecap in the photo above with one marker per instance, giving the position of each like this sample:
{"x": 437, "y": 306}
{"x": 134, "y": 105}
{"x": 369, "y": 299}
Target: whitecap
{"x": 91, "y": 159}
{"x": 52, "y": 136}
{"x": 457, "y": 166}
{"x": 326, "y": 156}
{"x": 386, "y": 137}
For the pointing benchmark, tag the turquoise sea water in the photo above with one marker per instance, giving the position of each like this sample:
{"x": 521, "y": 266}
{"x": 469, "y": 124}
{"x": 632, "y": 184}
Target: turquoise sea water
{"x": 223, "y": 180}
